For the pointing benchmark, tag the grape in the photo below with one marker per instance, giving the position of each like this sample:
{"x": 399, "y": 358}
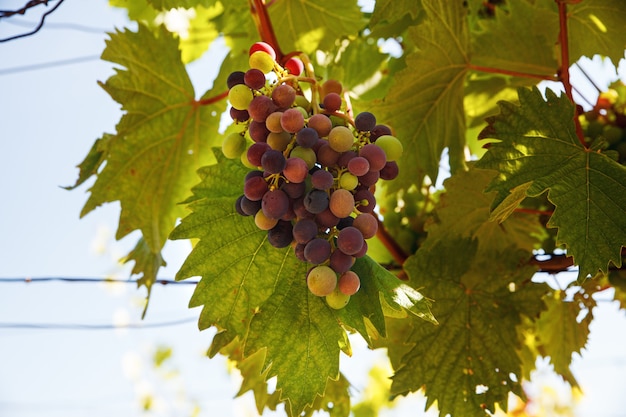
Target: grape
{"x": 238, "y": 206}
{"x": 341, "y": 139}
{"x": 345, "y": 222}
{"x": 255, "y": 188}
{"x": 369, "y": 179}
{"x": 350, "y": 240}
{"x": 275, "y": 204}
{"x": 341, "y": 203}
{"x": 358, "y": 166}
{"x": 349, "y": 283}
{"x": 294, "y": 66}
{"x": 326, "y": 155}
{"x": 251, "y": 174}
{"x": 340, "y": 262}
{"x": 263, "y": 47}
{"x": 366, "y": 223}
{"x": 284, "y": 96}
{"x": 280, "y": 235}
{"x": 295, "y": 170}
{"x": 307, "y": 137}
{"x": 256, "y": 151}
{"x": 303, "y": 102}
{"x": 257, "y": 131}
{"x": 292, "y": 120}
{"x": 322, "y": 179}
{"x": 299, "y": 252}
{"x": 250, "y": 207}
{"x": 294, "y": 189}
{"x": 362, "y": 252}
{"x": 337, "y": 300}
{"x": 304, "y": 230}
{"x": 345, "y": 158}
{"x": 240, "y": 96}
{"x": 263, "y": 222}
{"x": 316, "y": 201}
{"x": 272, "y": 122}
{"x": 374, "y": 155}
{"x": 317, "y": 250}
{"x": 254, "y": 78}
{"x": 278, "y": 141}
{"x": 365, "y": 201}
{"x": 239, "y": 115}
{"x": 307, "y": 154}
{"x": 378, "y": 131}
{"x": 300, "y": 209}
{"x": 365, "y": 121}
{"x": 261, "y": 61}
{"x": 390, "y": 171}
{"x": 348, "y": 181}
{"x": 233, "y": 145}
{"x": 321, "y": 123}
{"x": 392, "y": 147}
{"x": 260, "y": 107}
{"x": 326, "y": 219}
{"x": 235, "y": 78}
{"x": 332, "y": 102}
{"x": 273, "y": 162}
{"x": 321, "y": 280}
{"x": 331, "y": 86}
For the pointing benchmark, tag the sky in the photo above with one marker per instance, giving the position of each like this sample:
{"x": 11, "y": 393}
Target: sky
{"x": 49, "y": 118}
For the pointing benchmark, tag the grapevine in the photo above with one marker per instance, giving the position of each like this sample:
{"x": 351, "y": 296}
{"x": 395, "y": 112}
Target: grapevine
{"x": 313, "y": 167}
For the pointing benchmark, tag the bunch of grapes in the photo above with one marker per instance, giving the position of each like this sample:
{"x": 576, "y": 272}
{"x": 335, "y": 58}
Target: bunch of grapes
{"x": 607, "y": 120}
{"x": 313, "y": 167}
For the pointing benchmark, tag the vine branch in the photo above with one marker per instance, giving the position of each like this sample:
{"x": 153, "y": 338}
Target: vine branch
{"x": 262, "y": 21}
{"x": 21, "y": 11}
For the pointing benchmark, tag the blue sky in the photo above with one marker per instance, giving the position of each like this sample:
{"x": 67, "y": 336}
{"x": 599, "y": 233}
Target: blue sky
{"x": 49, "y": 119}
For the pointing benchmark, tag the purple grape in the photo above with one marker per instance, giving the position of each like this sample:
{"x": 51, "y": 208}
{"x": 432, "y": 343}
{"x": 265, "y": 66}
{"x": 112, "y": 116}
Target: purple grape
{"x": 294, "y": 189}
{"x": 280, "y": 235}
{"x": 350, "y": 240}
{"x": 340, "y": 262}
{"x": 256, "y": 151}
{"x": 307, "y": 137}
{"x": 304, "y": 230}
{"x": 235, "y": 78}
{"x": 250, "y": 207}
{"x": 255, "y": 188}
{"x": 284, "y": 95}
{"x": 322, "y": 179}
{"x": 258, "y": 131}
{"x": 364, "y": 201}
{"x": 326, "y": 155}
{"x": 317, "y": 250}
{"x": 273, "y": 162}
{"x": 390, "y": 171}
{"x": 239, "y": 115}
{"x": 378, "y": 131}
{"x": 358, "y": 166}
{"x": 326, "y": 219}
{"x": 254, "y": 78}
{"x": 260, "y": 107}
{"x": 365, "y": 121}
{"x": 275, "y": 204}
{"x": 369, "y": 178}
{"x": 374, "y": 155}
{"x": 316, "y": 201}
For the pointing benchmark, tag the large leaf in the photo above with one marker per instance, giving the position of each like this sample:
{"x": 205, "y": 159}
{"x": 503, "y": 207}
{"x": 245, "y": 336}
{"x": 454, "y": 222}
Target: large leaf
{"x": 469, "y": 363}
{"x": 538, "y": 148}
{"x": 162, "y": 138}
{"x": 425, "y": 103}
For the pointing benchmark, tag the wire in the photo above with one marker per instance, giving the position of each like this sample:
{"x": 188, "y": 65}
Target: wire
{"x": 44, "y": 65}
{"x": 28, "y": 280}
{"x": 82, "y": 326}
{"x": 64, "y": 25}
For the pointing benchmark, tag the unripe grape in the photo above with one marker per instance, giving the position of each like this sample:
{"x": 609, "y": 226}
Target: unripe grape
{"x": 294, "y": 66}
{"x": 348, "y": 181}
{"x": 261, "y": 61}
{"x": 337, "y": 300}
{"x": 321, "y": 280}
{"x": 263, "y": 222}
{"x": 263, "y": 47}
{"x": 341, "y": 139}
{"x": 391, "y": 145}
{"x": 307, "y": 154}
{"x": 233, "y": 145}
{"x": 240, "y": 96}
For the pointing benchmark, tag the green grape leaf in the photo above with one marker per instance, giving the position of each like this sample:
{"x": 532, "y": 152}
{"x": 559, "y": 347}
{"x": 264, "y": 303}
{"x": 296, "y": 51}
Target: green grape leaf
{"x": 597, "y": 27}
{"x": 138, "y": 10}
{"x": 391, "y": 18}
{"x": 308, "y": 25}
{"x": 520, "y": 39}
{"x": 93, "y": 161}
{"x": 425, "y": 102}
{"x": 561, "y": 333}
{"x": 147, "y": 264}
{"x": 469, "y": 363}
{"x": 162, "y": 139}
{"x": 538, "y": 144}
{"x": 463, "y": 212}
{"x": 174, "y": 4}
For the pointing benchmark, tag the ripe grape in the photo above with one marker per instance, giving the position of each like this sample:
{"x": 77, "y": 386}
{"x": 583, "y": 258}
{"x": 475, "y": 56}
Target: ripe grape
{"x": 248, "y": 206}
{"x": 280, "y": 235}
{"x": 365, "y": 201}
{"x": 239, "y": 115}
{"x": 235, "y": 78}
{"x": 366, "y": 223}
{"x": 337, "y": 300}
{"x": 292, "y": 120}
{"x": 365, "y": 121}
{"x": 284, "y": 96}
{"x": 374, "y": 155}
{"x": 332, "y": 102}
{"x": 326, "y": 219}
{"x": 233, "y": 145}
{"x": 378, "y": 131}
{"x": 340, "y": 262}
{"x": 260, "y": 108}
{"x": 273, "y": 162}
{"x": 255, "y": 153}
{"x": 316, "y": 201}
{"x": 341, "y": 139}
{"x": 322, "y": 179}
{"x": 369, "y": 178}
{"x": 275, "y": 204}
{"x": 257, "y": 131}
{"x": 238, "y": 206}
{"x": 358, "y": 166}
{"x": 317, "y": 250}
{"x": 321, "y": 124}
{"x": 331, "y": 86}
{"x": 294, "y": 190}
{"x": 295, "y": 170}
{"x": 321, "y": 280}
{"x": 341, "y": 203}
{"x": 349, "y": 283}
{"x": 254, "y": 79}
{"x": 350, "y": 240}
{"x": 255, "y": 188}
{"x": 304, "y": 230}
{"x": 326, "y": 155}
{"x": 390, "y": 171}
{"x": 391, "y": 146}
{"x": 307, "y": 137}
{"x": 240, "y": 96}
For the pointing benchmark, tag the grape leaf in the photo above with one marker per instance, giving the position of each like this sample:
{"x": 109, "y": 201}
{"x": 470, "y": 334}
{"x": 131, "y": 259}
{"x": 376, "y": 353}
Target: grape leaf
{"x": 147, "y": 264}
{"x": 173, "y": 4}
{"x": 391, "y": 18}
{"x": 162, "y": 138}
{"x": 469, "y": 363}
{"x": 93, "y": 161}
{"x": 538, "y": 144}
{"x": 308, "y": 25}
{"x": 425, "y": 103}
{"x": 561, "y": 333}
{"x": 520, "y": 39}
{"x": 596, "y": 27}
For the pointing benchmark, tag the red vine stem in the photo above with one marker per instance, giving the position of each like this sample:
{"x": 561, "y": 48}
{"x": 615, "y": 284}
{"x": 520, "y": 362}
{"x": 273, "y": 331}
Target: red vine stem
{"x": 513, "y": 73}
{"x": 258, "y": 9}
{"x": 564, "y": 70}
{"x": 397, "y": 253}
{"x": 210, "y": 100}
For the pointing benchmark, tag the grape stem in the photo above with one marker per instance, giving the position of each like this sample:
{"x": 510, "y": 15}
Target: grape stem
{"x": 513, "y": 73}
{"x": 210, "y": 100}
{"x": 397, "y": 253}
{"x": 263, "y": 24}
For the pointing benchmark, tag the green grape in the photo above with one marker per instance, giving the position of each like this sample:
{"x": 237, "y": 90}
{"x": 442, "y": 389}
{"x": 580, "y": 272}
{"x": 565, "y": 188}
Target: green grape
{"x": 612, "y": 134}
{"x": 347, "y": 181}
{"x": 240, "y": 96}
{"x": 341, "y": 139}
{"x": 307, "y": 154}
{"x": 261, "y": 61}
{"x": 321, "y": 280}
{"x": 391, "y": 145}
{"x": 279, "y": 141}
{"x": 303, "y": 102}
{"x": 337, "y": 300}
{"x": 233, "y": 145}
